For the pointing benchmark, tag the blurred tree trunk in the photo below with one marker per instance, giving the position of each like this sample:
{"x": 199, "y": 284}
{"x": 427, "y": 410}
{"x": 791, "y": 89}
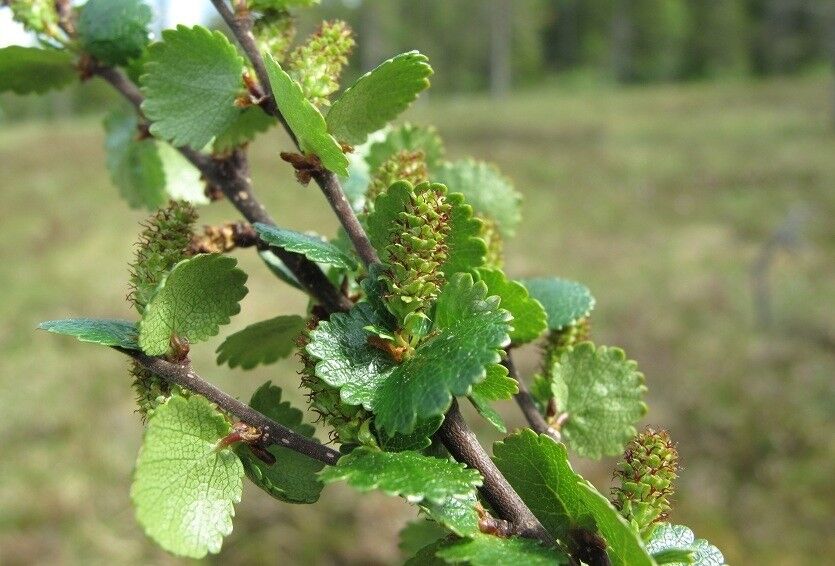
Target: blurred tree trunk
{"x": 623, "y": 42}
{"x": 500, "y": 46}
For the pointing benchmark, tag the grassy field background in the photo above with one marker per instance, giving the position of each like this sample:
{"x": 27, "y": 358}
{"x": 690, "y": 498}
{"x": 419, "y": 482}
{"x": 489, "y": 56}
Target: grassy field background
{"x": 658, "y": 198}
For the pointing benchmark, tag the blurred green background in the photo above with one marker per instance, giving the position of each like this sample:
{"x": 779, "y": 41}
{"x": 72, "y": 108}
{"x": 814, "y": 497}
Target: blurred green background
{"x": 684, "y": 169}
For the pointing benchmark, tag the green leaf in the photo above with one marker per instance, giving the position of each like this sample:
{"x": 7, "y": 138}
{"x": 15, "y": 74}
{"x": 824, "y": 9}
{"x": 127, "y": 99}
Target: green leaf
{"x": 418, "y": 439}
{"x": 417, "y": 534}
{"x": 470, "y": 332}
{"x": 466, "y": 250}
{"x": 672, "y": 544}
{"x": 497, "y": 385}
{"x": 529, "y": 318}
{"x": 182, "y": 179}
{"x": 407, "y": 474}
{"x": 184, "y": 489}
{"x": 135, "y": 166}
{"x": 378, "y": 97}
{"x": 312, "y": 247}
{"x": 537, "y": 467}
{"x": 198, "y": 296}
{"x": 114, "y": 31}
{"x": 565, "y": 301}
{"x": 426, "y": 556}
{"x": 24, "y": 70}
{"x": 251, "y": 122}
{"x": 489, "y": 192}
{"x": 121, "y": 333}
{"x": 306, "y": 122}
{"x": 192, "y": 79}
{"x": 457, "y": 514}
{"x": 261, "y": 343}
{"x": 488, "y": 550}
{"x": 602, "y": 392}
{"x": 407, "y": 137}
{"x": 294, "y": 477}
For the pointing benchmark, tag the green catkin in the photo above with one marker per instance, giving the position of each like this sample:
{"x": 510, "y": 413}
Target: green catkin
{"x": 495, "y": 245}
{"x": 404, "y": 165}
{"x": 416, "y": 251}
{"x": 317, "y": 63}
{"x": 162, "y": 244}
{"x": 646, "y": 473}
{"x": 558, "y": 341}
{"x": 349, "y": 423}
{"x": 274, "y": 30}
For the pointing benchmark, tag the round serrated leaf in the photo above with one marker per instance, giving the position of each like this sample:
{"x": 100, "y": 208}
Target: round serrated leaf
{"x": 184, "y": 490}
{"x": 198, "y": 296}
{"x": 135, "y": 166}
{"x": 114, "y": 31}
{"x": 26, "y": 70}
{"x": 565, "y": 301}
{"x": 261, "y": 343}
{"x": 192, "y": 79}
{"x": 293, "y": 477}
{"x": 378, "y": 97}
{"x": 529, "y": 318}
{"x": 121, "y": 333}
{"x": 602, "y": 393}
{"x": 407, "y": 474}
{"x": 490, "y": 193}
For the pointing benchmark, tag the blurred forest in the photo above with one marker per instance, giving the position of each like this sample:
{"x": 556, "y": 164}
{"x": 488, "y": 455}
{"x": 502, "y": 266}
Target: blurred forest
{"x": 678, "y": 156}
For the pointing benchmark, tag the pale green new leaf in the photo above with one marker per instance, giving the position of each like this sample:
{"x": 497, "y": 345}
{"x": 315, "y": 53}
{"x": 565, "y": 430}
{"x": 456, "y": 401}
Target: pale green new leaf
{"x": 312, "y": 247}
{"x": 294, "y": 477}
{"x": 378, "y": 97}
{"x": 537, "y": 467}
{"x": 407, "y": 137}
{"x": 251, "y": 122}
{"x": 407, "y": 474}
{"x": 670, "y": 543}
{"x": 192, "y": 79}
{"x": 182, "y": 179}
{"x": 198, "y": 296}
{"x": 457, "y": 514}
{"x": 264, "y": 342}
{"x": 121, "y": 333}
{"x": 135, "y": 166}
{"x": 26, "y": 70}
{"x": 306, "y": 122}
{"x": 529, "y": 318}
{"x": 470, "y": 330}
{"x": 489, "y": 192}
{"x": 496, "y": 386}
{"x": 602, "y": 392}
{"x": 184, "y": 490}
{"x": 114, "y": 31}
{"x": 565, "y": 301}
{"x": 488, "y": 550}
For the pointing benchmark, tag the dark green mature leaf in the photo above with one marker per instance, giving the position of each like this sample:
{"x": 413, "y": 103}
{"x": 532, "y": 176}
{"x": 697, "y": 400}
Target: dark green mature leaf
{"x": 488, "y": 550}
{"x": 264, "y": 342}
{"x": 602, "y": 392}
{"x": 407, "y": 137}
{"x": 312, "y": 247}
{"x": 378, "y": 97}
{"x": 294, "y": 477}
{"x": 673, "y": 544}
{"x": 251, "y": 122}
{"x": 184, "y": 489}
{"x": 26, "y": 70}
{"x": 192, "y": 79}
{"x": 306, "y": 122}
{"x": 529, "y": 318}
{"x": 471, "y": 330}
{"x": 198, "y": 296}
{"x": 489, "y": 192}
{"x": 407, "y": 474}
{"x": 135, "y": 166}
{"x": 121, "y": 333}
{"x": 418, "y": 439}
{"x": 459, "y": 515}
{"x": 347, "y": 362}
{"x": 565, "y": 301}
{"x": 537, "y": 467}
{"x": 114, "y": 31}
{"x": 417, "y": 534}
{"x": 426, "y": 556}
{"x": 497, "y": 385}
